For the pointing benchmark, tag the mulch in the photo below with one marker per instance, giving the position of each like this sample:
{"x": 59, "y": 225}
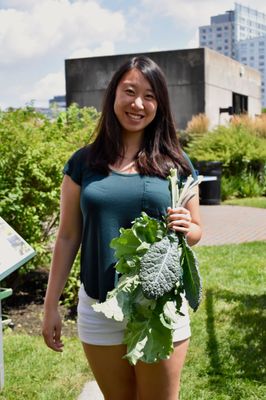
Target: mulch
{"x": 24, "y": 309}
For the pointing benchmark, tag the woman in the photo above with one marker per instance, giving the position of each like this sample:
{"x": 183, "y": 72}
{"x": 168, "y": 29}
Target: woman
{"x": 106, "y": 186}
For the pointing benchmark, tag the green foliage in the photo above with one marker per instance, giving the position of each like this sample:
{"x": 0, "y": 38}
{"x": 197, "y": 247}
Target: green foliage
{"x": 235, "y": 147}
{"x": 243, "y": 155}
{"x": 160, "y": 267}
{"x": 33, "y": 151}
{"x": 244, "y": 185}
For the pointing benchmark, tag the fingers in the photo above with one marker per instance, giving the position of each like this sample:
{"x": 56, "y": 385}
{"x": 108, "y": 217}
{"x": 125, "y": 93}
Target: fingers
{"x": 179, "y": 219}
{"x": 53, "y": 341}
{"x": 52, "y": 337}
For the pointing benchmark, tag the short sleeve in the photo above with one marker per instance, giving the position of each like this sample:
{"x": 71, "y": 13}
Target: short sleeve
{"x": 74, "y": 166}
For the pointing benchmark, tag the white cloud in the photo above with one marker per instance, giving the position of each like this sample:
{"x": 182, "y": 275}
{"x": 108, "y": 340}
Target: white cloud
{"x": 51, "y": 84}
{"x": 106, "y": 48}
{"x": 50, "y": 26}
{"x": 36, "y": 37}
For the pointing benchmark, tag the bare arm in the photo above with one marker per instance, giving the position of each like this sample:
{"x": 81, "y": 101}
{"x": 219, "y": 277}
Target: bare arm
{"x": 65, "y": 250}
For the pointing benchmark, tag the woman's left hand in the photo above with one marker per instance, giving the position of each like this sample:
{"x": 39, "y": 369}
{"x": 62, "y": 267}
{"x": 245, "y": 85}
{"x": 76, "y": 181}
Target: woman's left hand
{"x": 179, "y": 219}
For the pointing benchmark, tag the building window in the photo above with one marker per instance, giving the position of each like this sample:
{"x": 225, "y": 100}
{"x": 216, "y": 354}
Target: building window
{"x": 261, "y": 64}
{"x": 240, "y": 103}
{"x": 226, "y": 47}
{"x": 203, "y": 30}
{"x": 218, "y": 28}
{"x": 261, "y": 57}
{"x": 261, "y": 43}
{"x": 219, "y": 48}
{"x": 219, "y": 35}
{"x": 226, "y": 28}
{"x": 210, "y": 43}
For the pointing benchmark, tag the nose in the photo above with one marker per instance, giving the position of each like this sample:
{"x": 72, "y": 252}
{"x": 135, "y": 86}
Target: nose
{"x": 138, "y": 103}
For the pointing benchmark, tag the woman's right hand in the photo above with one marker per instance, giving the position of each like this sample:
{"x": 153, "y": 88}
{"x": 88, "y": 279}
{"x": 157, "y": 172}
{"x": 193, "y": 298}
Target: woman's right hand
{"x": 51, "y": 330}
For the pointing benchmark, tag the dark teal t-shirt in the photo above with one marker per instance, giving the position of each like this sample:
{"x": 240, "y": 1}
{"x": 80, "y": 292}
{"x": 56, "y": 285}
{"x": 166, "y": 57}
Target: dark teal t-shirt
{"x": 109, "y": 202}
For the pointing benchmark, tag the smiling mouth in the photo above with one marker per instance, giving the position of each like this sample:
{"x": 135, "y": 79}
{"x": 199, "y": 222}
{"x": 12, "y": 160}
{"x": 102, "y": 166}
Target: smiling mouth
{"x": 136, "y": 117}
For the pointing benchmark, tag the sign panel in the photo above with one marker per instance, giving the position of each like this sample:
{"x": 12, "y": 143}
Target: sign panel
{"x": 14, "y": 250}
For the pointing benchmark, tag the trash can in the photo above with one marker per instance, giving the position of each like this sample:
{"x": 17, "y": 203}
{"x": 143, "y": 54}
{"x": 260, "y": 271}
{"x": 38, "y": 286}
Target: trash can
{"x": 210, "y": 187}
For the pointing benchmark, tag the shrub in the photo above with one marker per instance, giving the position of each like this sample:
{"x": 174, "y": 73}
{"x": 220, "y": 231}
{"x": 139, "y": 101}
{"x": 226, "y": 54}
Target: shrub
{"x": 242, "y": 153}
{"x": 256, "y": 125}
{"x": 235, "y": 147}
{"x": 198, "y": 125}
{"x": 33, "y": 151}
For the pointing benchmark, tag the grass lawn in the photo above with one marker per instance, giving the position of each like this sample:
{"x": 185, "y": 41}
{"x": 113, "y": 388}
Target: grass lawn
{"x": 226, "y": 359}
{"x": 259, "y": 202}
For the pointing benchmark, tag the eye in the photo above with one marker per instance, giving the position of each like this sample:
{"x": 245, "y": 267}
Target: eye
{"x": 130, "y": 92}
{"x": 149, "y": 96}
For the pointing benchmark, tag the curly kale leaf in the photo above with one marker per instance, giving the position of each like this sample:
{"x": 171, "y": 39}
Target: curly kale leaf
{"x": 160, "y": 267}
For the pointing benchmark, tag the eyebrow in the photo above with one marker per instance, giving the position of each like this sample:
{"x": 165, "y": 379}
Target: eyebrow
{"x": 135, "y": 85}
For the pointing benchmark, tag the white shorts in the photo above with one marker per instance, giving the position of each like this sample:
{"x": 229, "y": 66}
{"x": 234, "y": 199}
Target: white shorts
{"x": 95, "y": 328}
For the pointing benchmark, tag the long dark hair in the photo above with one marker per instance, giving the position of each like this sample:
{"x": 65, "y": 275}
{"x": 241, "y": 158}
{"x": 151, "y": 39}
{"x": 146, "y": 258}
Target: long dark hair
{"x": 160, "y": 149}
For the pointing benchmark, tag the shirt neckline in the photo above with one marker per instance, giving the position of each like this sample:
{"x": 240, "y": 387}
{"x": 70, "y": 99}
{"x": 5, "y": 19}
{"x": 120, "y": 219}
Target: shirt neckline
{"x": 123, "y": 173}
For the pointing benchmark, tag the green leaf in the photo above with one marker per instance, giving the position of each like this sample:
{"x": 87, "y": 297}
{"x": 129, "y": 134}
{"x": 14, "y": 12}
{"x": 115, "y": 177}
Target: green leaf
{"x": 147, "y": 340}
{"x": 191, "y": 276}
{"x": 125, "y": 244}
{"x": 147, "y": 229}
{"x": 160, "y": 267}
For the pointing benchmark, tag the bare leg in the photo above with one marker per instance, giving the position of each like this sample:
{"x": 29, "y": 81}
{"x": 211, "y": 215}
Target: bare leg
{"x": 114, "y": 375}
{"x": 161, "y": 381}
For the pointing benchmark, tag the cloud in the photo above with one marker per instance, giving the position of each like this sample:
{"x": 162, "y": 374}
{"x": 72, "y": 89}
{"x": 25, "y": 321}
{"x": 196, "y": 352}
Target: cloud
{"x": 51, "y": 84}
{"x": 37, "y": 36}
{"x": 55, "y": 26}
{"x": 105, "y": 48}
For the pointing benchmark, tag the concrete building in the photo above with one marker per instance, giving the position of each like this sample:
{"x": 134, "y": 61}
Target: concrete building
{"x": 199, "y": 81}
{"x": 227, "y": 33}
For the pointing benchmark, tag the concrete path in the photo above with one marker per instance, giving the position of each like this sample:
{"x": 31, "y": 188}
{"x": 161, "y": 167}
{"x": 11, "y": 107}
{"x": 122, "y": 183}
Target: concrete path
{"x": 221, "y": 225}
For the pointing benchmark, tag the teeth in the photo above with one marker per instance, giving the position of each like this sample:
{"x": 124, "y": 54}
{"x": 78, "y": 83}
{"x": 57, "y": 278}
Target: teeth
{"x": 134, "y": 116}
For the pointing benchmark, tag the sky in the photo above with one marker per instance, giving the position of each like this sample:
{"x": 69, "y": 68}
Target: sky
{"x": 37, "y": 36}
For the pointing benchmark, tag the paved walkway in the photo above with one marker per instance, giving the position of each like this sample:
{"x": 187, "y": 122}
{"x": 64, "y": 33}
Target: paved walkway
{"x": 232, "y": 224}
{"x": 221, "y": 225}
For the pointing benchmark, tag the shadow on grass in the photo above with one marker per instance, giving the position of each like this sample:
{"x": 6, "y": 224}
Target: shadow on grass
{"x": 242, "y": 351}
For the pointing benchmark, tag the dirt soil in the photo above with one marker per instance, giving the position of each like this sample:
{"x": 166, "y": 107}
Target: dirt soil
{"x": 24, "y": 309}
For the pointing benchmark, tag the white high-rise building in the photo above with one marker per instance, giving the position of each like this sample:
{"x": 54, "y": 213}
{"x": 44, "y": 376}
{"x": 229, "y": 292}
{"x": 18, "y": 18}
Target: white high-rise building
{"x": 252, "y": 52}
{"x": 238, "y": 34}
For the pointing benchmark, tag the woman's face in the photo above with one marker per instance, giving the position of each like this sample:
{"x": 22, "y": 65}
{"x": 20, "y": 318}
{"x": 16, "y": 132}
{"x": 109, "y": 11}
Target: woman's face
{"x": 135, "y": 104}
